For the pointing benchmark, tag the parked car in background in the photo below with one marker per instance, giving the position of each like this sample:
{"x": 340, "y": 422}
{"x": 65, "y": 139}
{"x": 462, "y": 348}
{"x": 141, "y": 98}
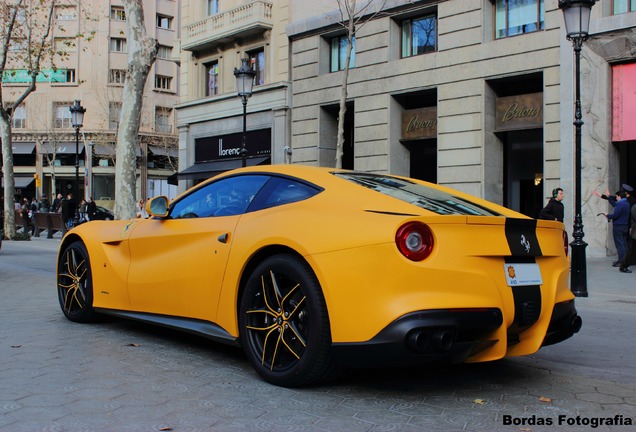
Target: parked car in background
{"x": 311, "y": 270}
{"x": 103, "y": 213}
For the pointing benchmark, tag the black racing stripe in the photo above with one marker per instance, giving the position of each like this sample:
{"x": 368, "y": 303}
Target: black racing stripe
{"x": 521, "y": 235}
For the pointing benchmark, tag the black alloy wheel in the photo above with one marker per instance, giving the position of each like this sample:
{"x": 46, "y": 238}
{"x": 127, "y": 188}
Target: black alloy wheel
{"x": 284, "y": 325}
{"x": 75, "y": 284}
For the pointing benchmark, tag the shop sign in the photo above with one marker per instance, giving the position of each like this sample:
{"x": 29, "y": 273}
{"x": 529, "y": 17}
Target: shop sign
{"x": 419, "y": 123}
{"x": 23, "y": 76}
{"x": 257, "y": 142}
{"x": 519, "y": 112}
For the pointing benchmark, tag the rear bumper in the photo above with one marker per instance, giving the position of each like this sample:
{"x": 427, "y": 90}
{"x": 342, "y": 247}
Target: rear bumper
{"x": 564, "y": 323}
{"x": 424, "y": 337}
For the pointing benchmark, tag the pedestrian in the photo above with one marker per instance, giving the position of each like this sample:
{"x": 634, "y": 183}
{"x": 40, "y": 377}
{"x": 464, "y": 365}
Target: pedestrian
{"x": 44, "y": 205}
{"x": 57, "y": 204}
{"x": 141, "y": 209}
{"x": 554, "y": 209}
{"x": 91, "y": 209}
{"x": 25, "y": 209}
{"x": 34, "y": 206}
{"x": 82, "y": 211}
{"x": 619, "y": 218}
{"x": 69, "y": 207}
{"x": 624, "y": 268}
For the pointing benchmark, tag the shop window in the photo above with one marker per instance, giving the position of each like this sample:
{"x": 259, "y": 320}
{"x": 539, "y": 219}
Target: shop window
{"x": 212, "y": 78}
{"x": 419, "y": 35}
{"x": 514, "y": 17}
{"x": 118, "y": 45}
{"x": 62, "y": 115}
{"x": 257, "y": 60}
{"x": 339, "y": 53}
{"x": 623, "y": 6}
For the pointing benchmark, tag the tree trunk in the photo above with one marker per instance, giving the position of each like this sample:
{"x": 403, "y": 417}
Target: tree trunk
{"x": 142, "y": 51}
{"x": 345, "y": 78}
{"x": 9, "y": 182}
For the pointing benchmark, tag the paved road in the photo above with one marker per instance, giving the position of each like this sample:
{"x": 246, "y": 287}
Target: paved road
{"x": 124, "y": 376}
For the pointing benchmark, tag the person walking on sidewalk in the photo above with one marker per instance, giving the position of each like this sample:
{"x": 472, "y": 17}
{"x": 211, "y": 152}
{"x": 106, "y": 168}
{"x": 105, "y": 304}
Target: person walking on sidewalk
{"x": 620, "y": 219}
{"x": 554, "y": 208}
{"x": 624, "y": 268}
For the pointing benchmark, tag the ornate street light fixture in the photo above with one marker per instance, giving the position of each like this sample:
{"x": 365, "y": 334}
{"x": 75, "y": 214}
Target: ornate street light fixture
{"x": 576, "y": 14}
{"x": 244, "y": 83}
{"x": 77, "y": 120}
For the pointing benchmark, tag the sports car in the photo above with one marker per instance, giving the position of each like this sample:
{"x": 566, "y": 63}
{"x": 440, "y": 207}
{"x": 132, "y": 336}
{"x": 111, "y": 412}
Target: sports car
{"x": 314, "y": 270}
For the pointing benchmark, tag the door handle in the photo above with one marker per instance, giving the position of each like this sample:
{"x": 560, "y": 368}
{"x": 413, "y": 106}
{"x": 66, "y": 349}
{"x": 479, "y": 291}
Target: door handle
{"x": 223, "y": 238}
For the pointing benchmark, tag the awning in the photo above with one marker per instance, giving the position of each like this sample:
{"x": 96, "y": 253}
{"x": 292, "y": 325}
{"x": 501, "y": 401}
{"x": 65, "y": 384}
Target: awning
{"x": 61, "y": 148}
{"x": 103, "y": 150}
{"x": 20, "y": 182}
{"x": 22, "y": 147}
{"x": 204, "y": 170}
{"x": 163, "y": 151}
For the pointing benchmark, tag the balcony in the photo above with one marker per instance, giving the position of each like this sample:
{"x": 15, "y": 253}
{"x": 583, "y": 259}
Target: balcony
{"x": 238, "y": 23}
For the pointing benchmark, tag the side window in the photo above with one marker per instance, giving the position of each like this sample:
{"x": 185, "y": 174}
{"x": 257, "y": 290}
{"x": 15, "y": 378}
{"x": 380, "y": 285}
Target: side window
{"x": 280, "y": 191}
{"x": 225, "y": 197}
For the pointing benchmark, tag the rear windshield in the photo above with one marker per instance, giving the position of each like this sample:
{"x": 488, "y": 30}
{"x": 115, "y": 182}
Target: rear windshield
{"x": 428, "y": 198}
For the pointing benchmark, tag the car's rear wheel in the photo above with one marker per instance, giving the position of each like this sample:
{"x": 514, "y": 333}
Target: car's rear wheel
{"x": 75, "y": 283}
{"x": 284, "y": 324}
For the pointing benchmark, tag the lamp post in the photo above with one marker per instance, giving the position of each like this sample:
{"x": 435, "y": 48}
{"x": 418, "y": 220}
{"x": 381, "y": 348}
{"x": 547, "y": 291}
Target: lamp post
{"x": 77, "y": 120}
{"x": 244, "y": 83}
{"x": 576, "y": 14}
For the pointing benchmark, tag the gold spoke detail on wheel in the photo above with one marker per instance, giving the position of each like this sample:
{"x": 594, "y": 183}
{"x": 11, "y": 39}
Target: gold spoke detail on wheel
{"x": 73, "y": 293}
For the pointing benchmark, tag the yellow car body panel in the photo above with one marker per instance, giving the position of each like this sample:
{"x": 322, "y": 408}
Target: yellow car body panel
{"x": 196, "y": 268}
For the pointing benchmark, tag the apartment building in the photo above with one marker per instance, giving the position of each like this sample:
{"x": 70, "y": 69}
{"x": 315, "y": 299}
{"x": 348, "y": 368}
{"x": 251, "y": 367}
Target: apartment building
{"x": 474, "y": 94}
{"x": 216, "y": 35}
{"x": 91, "y": 35}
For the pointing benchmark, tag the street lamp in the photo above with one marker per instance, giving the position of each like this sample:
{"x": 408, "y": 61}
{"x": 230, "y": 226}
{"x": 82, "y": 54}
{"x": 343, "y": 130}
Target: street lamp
{"x": 576, "y": 14}
{"x": 244, "y": 83}
{"x": 77, "y": 120}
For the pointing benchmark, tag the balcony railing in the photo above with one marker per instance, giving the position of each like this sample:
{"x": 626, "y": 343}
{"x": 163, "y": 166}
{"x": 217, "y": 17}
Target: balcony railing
{"x": 224, "y": 27}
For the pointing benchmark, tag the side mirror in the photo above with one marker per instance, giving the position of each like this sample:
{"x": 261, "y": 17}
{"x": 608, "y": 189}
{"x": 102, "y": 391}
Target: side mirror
{"x": 158, "y": 206}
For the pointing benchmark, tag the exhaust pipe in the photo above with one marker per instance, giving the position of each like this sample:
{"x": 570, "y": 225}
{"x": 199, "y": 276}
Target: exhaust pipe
{"x": 576, "y": 323}
{"x": 443, "y": 340}
{"x": 417, "y": 340}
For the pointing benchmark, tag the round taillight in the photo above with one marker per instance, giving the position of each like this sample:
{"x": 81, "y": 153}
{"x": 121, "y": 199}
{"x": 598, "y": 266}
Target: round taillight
{"x": 414, "y": 240}
{"x": 566, "y": 243}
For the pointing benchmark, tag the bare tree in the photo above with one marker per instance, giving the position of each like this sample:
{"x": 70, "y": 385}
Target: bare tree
{"x": 25, "y": 27}
{"x": 352, "y": 20}
{"x": 142, "y": 52}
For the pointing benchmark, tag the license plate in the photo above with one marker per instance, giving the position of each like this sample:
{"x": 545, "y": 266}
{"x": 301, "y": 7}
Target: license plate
{"x": 522, "y": 274}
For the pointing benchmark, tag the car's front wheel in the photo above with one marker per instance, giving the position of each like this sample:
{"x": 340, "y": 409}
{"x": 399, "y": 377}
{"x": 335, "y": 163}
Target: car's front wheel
{"x": 284, "y": 325}
{"x": 75, "y": 283}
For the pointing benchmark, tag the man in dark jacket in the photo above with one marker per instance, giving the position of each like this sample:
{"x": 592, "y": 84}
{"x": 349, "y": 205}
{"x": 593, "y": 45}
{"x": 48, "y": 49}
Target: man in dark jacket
{"x": 620, "y": 219}
{"x": 554, "y": 209}
{"x": 68, "y": 210}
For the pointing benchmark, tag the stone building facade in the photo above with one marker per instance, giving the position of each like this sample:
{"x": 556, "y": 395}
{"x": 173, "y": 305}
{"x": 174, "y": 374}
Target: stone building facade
{"x": 473, "y": 96}
{"x": 92, "y": 70}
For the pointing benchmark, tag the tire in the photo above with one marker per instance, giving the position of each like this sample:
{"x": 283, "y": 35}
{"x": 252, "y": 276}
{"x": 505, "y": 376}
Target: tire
{"x": 75, "y": 284}
{"x": 284, "y": 325}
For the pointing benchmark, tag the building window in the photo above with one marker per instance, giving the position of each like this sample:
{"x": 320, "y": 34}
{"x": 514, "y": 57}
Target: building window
{"x": 116, "y": 76}
{"x": 212, "y": 79}
{"x": 339, "y": 53}
{"x": 163, "y": 123}
{"x": 114, "y": 112}
{"x": 213, "y": 7}
{"x": 118, "y": 45}
{"x": 623, "y": 6}
{"x": 164, "y": 22}
{"x": 63, "y": 115}
{"x": 419, "y": 35}
{"x": 162, "y": 82}
{"x": 117, "y": 13}
{"x": 164, "y": 52}
{"x": 70, "y": 75}
{"x": 18, "y": 118}
{"x": 18, "y": 44}
{"x": 63, "y": 13}
{"x": 514, "y": 17}
{"x": 257, "y": 60}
